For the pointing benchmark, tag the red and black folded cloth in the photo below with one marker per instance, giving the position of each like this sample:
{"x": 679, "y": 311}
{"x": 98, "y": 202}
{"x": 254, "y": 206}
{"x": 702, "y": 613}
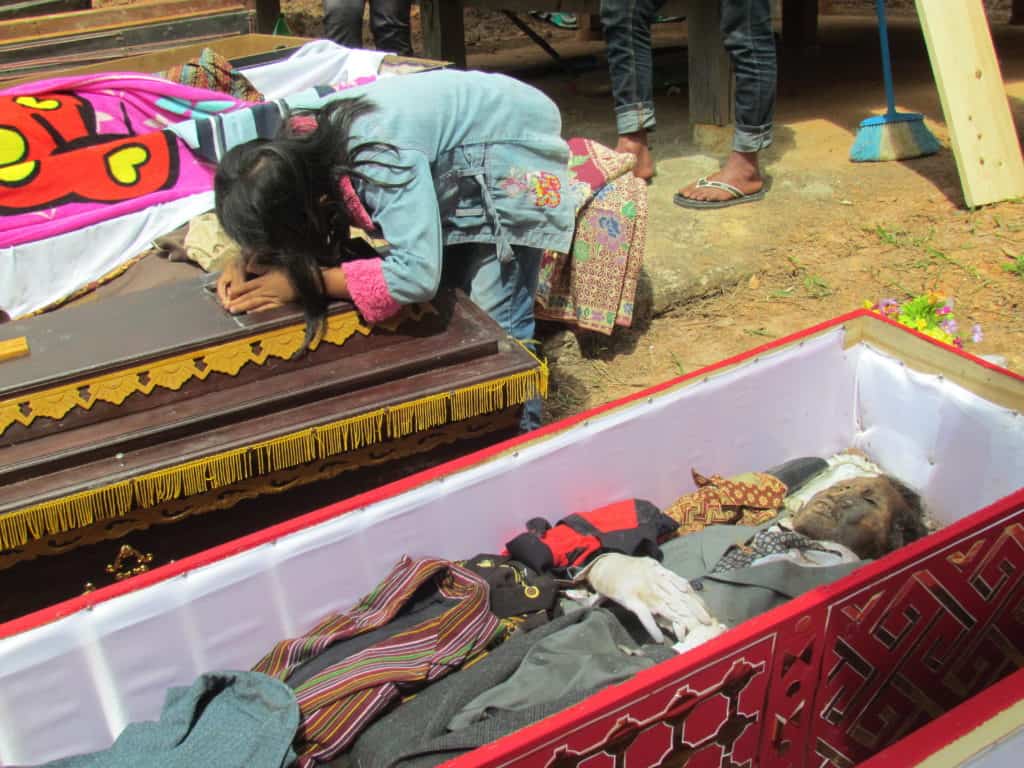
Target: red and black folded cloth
{"x": 632, "y": 527}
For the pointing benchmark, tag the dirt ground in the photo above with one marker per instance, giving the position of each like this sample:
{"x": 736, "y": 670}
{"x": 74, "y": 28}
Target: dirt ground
{"x": 830, "y": 235}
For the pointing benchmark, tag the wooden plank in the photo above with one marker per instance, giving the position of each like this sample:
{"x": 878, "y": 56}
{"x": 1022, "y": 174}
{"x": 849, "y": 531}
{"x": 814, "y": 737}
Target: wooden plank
{"x": 99, "y": 61}
{"x": 215, "y": 25}
{"x": 64, "y": 24}
{"x": 710, "y": 71}
{"x": 1017, "y": 12}
{"x": 234, "y": 47}
{"x": 11, "y": 349}
{"x": 444, "y": 32}
{"x": 41, "y": 8}
{"x": 970, "y": 84}
{"x": 267, "y": 14}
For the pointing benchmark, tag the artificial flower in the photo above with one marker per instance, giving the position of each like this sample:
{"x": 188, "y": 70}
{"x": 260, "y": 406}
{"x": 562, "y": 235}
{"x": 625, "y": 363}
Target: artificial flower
{"x": 930, "y": 314}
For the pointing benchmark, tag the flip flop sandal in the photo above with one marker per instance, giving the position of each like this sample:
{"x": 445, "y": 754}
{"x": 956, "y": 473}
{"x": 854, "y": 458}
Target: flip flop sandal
{"x": 560, "y": 20}
{"x": 736, "y": 198}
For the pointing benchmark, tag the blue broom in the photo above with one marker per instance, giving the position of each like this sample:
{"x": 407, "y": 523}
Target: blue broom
{"x": 894, "y": 135}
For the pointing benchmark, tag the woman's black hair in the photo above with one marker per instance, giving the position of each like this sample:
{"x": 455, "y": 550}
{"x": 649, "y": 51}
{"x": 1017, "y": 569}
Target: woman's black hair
{"x": 279, "y": 200}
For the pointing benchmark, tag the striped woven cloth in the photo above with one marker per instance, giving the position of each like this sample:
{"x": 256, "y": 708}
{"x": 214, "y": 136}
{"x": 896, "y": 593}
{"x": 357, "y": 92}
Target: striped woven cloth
{"x": 339, "y": 702}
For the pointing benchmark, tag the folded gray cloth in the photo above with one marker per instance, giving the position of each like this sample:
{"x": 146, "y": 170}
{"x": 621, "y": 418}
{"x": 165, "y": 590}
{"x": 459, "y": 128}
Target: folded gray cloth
{"x": 225, "y": 719}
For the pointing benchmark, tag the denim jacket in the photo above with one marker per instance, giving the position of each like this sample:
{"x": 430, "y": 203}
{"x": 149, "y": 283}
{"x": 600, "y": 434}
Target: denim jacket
{"x": 485, "y": 164}
{"x": 480, "y": 160}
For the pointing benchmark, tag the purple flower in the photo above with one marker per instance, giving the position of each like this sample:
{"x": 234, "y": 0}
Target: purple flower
{"x": 949, "y": 326}
{"x": 944, "y": 310}
{"x": 976, "y": 335}
{"x": 958, "y": 343}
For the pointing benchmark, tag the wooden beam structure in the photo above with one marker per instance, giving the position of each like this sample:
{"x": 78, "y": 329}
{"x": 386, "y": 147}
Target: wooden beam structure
{"x": 710, "y": 72}
{"x": 709, "y": 68}
{"x": 267, "y": 14}
{"x": 444, "y": 30}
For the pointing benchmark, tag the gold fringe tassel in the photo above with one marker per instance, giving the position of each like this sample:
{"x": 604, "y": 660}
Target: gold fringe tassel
{"x": 174, "y": 372}
{"x": 316, "y": 443}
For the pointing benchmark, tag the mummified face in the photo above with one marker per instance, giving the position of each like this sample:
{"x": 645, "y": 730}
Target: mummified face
{"x": 867, "y": 514}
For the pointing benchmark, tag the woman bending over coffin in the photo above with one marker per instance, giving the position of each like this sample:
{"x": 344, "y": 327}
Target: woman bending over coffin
{"x": 464, "y": 174}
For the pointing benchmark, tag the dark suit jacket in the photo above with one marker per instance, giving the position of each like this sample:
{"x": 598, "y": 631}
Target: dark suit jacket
{"x": 735, "y": 596}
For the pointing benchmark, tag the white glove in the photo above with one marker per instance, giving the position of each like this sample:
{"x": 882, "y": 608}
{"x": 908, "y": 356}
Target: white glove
{"x": 648, "y": 589}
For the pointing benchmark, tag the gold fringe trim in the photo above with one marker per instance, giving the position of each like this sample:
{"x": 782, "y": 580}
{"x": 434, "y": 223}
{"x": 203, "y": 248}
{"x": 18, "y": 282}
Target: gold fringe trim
{"x": 298, "y": 448}
{"x": 176, "y": 510}
{"x": 174, "y": 372}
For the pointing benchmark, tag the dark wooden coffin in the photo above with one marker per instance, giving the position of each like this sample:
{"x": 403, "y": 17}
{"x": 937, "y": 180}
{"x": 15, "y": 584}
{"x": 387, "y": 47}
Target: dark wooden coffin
{"x": 157, "y": 405}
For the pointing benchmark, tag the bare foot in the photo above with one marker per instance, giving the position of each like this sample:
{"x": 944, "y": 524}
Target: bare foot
{"x": 636, "y": 144}
{"x": 741, "y": 170}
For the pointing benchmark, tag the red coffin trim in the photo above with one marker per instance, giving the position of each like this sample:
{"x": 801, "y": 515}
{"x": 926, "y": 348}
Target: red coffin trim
{"x": 953, "y": 725}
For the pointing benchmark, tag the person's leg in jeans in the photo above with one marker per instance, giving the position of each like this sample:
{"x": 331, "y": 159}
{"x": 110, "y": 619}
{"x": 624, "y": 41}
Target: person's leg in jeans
{"x": 506, "y": 292}
{"x": 627, "y": 30}
{"x": 748, "y": 36}
{"x": 343, "y": 22}
{"x": 389, "y": 20}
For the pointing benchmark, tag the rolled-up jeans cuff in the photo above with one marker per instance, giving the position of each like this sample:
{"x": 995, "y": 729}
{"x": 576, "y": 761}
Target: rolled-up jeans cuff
{"x": 631, "y": 118}
{"x": 751, "y": 139}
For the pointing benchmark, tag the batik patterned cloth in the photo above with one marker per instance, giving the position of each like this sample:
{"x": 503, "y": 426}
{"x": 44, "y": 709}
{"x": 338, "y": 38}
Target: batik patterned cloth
{"x": 339, "y": 702}
{"x": 749, "y": 499}
{"x": 212, "y": 72}
{"x": 594, "y": 287}
{"x": 75, "y": 151}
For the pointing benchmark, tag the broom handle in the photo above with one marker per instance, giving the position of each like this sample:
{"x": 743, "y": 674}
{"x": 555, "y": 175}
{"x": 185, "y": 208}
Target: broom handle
{"x": 883, "y": 33}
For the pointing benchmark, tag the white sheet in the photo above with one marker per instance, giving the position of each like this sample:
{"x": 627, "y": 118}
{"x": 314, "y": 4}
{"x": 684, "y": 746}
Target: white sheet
{"x": 72, "y": 685}
{"x": 34, "y": 275}
{"x": 321, "y": 62}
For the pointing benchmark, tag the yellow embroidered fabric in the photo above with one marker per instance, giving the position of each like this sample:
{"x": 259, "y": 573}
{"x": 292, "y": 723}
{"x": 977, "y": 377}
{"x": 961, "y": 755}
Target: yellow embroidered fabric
{"x": 174, "y": 372}
{"x": 224, "y": 469}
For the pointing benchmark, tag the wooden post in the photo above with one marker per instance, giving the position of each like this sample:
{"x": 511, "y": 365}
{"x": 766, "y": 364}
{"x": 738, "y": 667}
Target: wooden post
{"x": 710, "y": 71}
{"x": 589, "y": 27}
{"x": 267, "y": 14}
{"x": 1017, "y": 12}
{"x": 444, "y": 31}
{"x": 799, "y": 23}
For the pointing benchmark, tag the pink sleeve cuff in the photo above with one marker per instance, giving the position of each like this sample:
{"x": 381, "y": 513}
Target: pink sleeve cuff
{"x": 369, "y": 291}
{"x": 302, "y": 124}
{"x": 357, "y": 213}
